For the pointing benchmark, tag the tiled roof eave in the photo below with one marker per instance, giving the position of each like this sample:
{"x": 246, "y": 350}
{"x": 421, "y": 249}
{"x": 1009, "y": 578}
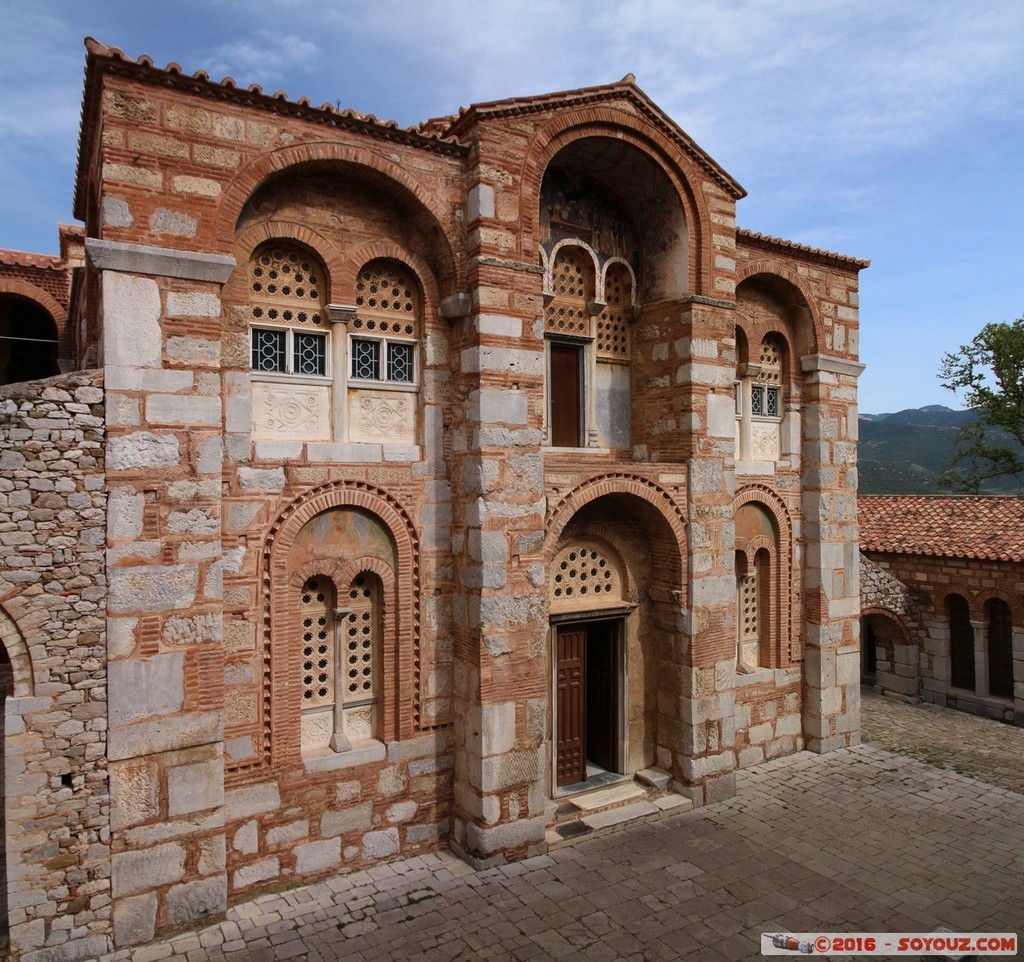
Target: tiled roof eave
{"x": 792, "y": 248}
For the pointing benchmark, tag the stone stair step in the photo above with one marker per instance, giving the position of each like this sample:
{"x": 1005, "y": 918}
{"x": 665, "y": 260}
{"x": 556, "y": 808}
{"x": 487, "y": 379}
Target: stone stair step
{"x": 617, "y": 816}
{"x": 655, "y": 777}
{"x": 605, "y": 797}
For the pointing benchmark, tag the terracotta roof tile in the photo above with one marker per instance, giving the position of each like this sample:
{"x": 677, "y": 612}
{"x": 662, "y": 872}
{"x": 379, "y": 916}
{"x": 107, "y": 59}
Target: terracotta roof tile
{"x": 988, "y": 528}
{"x": 766, "y": 240}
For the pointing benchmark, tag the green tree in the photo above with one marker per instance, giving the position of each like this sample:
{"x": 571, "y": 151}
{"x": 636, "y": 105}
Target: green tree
{"x": 990, "y": 372}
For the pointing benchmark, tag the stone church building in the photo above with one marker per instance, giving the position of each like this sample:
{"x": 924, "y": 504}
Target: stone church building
{"x": 368, "y": 490}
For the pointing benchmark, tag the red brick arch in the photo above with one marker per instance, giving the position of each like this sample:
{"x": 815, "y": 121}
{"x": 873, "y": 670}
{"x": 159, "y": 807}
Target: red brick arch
{"x": 782, "y": 560}
{"x": 19, "y": 288}
{"x": 602, "y": 121}
{"x": 401, "y": 691}
{"x": 1014, "y": 603}
{"x": 753, "y": 269}
{"x": 248, "y": 180}
{"x": 635, "y": 485}
{"x": 387, "y": 250}
{"x": 273, "y": 230}
{"x": 876, "y": 611}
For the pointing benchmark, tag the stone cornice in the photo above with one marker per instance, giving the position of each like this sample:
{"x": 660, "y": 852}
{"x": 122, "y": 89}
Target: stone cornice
{"x": 159, "y": 261}
{"x": 832, "y": 365}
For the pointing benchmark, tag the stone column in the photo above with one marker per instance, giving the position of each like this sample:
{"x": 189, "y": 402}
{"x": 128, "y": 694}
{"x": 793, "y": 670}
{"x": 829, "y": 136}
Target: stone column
{"x": 831, "y": 711}
{"x": 161, "y": 358}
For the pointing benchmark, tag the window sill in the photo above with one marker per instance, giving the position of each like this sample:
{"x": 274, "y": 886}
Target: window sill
{"x": 753, "y": 676}
{"x": 326, "y": 760}
{"x": 364, "y": 384}
{"x": 553, "y": 449}
{"x": 282, "y": 377}
{"x": 763, "y": 468}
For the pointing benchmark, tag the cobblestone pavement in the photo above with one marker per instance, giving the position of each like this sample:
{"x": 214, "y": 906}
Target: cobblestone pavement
{"x": 858, "y": 840}
{"x": 979, "y": 747}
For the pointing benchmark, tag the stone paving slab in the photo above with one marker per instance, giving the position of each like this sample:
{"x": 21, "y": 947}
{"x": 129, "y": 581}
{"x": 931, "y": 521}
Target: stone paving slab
{"x": 968, "y": 744}
{"x": 856, "y": 840}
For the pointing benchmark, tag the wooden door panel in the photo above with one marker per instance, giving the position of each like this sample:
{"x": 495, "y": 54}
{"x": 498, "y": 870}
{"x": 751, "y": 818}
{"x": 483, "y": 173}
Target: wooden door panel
{"x": 570, "y": 748}
{"x": 564, "y": 391}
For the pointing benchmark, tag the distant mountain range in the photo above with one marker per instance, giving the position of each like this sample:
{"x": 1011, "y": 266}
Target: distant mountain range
{"x": 904, "y": 452}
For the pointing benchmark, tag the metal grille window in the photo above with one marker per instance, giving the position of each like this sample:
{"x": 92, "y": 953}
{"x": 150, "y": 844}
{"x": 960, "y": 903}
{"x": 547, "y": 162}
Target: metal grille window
{"x": 765, "y": 401}
{"x": 283, "y": 351}
{"x": 375, "y": 360}
{"x": 268, "y": 351}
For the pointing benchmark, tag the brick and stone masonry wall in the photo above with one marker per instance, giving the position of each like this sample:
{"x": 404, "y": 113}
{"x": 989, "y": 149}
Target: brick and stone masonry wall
{"x": 927, "y": 582}
{"x": 52, "y": 625}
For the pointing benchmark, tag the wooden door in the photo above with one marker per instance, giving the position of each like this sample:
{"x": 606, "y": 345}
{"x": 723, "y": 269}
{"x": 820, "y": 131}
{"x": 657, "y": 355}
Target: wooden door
{"x": 564, "y": 391}
{"x": 602, "y": 728}
{"x": 570, "y": 747}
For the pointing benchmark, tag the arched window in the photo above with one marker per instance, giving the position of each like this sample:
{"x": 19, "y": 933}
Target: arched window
{"x": 316, "y": 632}
{"x": 286, "y": 303}
{"x": 386, "y": 329}
{"x": 759, "y": 402}
{"x": 753, "y": 610}
{"x": 569, "y": 331}
{"x": 360, "y": 652}
{"x": 961, "y": 643}
{"x": 341, "y": 650}
{"x": 290, "y": 344}
{"x": 1000, "y": 648}
{"x": 384, "y": 357}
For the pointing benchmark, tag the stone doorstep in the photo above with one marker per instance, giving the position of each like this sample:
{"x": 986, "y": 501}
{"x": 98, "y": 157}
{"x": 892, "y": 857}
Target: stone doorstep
{"x": 624, "y": 805}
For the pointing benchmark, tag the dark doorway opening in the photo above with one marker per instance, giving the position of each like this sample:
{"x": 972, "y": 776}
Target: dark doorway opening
{"x": 589, "y": 693}
{"x": 28, "y": 341}
{"x": 868, "y": 653}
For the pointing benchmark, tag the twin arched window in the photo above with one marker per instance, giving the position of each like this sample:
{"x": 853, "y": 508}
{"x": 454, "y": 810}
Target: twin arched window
{"x": 340, "y": 637}
{"x": 314, "y": 383}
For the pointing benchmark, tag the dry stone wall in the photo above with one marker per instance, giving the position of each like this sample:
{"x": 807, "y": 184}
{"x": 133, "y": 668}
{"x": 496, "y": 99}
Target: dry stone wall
{"x": 53, "y": 627}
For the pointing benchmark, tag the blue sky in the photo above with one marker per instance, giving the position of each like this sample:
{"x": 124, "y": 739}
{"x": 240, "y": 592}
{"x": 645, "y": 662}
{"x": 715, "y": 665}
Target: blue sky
{"x": 887, "y": 130}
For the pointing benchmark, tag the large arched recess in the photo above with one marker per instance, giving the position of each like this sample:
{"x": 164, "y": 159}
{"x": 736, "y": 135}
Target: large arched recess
{"x": 640, "y": 524}
{"x": 402, "y": 689}
{"x": 789, "y": 288}
{"x": 360, "y": 165}
{"x": 598, "y": 122}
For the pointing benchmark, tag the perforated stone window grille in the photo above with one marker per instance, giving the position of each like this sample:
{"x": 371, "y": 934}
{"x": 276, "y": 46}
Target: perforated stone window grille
{"x": 361, "y": 638}
{"x": 285, "y": 286}
{"x": 387, "y": 324}
{"x": 771, "y": 361}
{"x": 584, "y": 572}
{"x": 613, "y": 340}
{"x": 387, "y": 300}
{"x": 572, "y": 285}
{"x": 316, "y": 612}
{"x": 747, "y": 590}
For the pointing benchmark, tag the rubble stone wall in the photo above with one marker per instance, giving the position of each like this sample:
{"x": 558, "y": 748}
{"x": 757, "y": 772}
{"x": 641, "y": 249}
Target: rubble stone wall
{"x": 53, "y": 628}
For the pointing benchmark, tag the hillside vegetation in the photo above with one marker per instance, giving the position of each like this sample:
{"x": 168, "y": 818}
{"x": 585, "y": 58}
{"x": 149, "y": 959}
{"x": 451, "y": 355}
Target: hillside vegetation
{"x": 905, "y": 452}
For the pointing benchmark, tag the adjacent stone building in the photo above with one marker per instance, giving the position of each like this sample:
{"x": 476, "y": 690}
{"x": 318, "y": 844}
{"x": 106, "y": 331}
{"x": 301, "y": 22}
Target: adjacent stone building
{"x": 942, "y": 590}
{"x": 410, "y": 483}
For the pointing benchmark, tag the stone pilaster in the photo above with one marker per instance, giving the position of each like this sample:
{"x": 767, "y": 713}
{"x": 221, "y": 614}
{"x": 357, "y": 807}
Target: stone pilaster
{"x": 832, "y": 557}
{"x": 165, "y": 560}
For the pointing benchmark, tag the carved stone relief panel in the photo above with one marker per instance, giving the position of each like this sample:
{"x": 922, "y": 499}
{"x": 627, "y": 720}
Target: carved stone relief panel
{"x": 317, "y": 728}
{"x": 291, "y": 411}
{"x": 382, "y": 416}
{"x": 764, "y": 442}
